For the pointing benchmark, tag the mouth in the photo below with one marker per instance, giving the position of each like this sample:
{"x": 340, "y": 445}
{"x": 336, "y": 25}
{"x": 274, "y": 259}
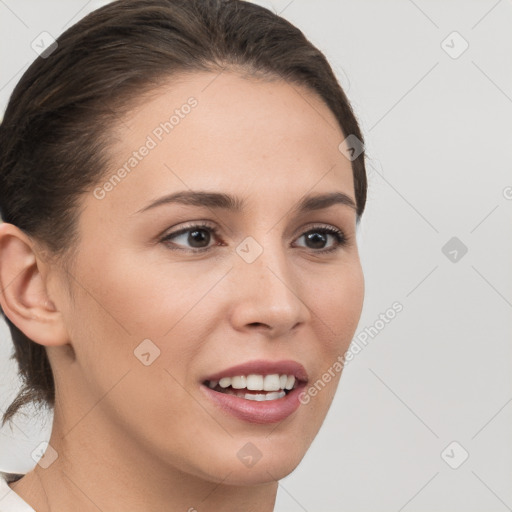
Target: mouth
{"x": 256, "y": 387}
{"x": 258, "y": 391}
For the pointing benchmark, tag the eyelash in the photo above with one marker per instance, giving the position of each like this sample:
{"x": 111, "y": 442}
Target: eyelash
{"x": 341, "y": 238}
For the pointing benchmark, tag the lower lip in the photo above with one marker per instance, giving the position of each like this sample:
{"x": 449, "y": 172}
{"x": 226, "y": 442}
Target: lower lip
{"x": 269, "y": 411}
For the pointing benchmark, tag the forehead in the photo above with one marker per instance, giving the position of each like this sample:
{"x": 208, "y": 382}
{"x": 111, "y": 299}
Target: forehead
{"x": 225, "y": 132}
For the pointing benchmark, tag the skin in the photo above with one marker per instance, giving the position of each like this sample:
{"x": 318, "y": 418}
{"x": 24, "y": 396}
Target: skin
{"x": 135, "y": 437}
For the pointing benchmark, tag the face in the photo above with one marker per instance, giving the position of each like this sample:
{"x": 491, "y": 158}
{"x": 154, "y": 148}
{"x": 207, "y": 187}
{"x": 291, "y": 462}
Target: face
{"x": 172, "y": 298}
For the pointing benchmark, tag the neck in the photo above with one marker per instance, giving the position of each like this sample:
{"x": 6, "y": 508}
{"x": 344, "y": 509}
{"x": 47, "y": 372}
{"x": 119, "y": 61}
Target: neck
{"x": 98, "y": 469}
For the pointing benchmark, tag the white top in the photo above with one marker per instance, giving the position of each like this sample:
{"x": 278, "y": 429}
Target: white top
{"x": 10, "y": 501}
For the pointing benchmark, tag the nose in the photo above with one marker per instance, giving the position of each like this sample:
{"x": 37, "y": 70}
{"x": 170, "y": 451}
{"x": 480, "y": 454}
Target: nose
{"x": 268, "y": 297}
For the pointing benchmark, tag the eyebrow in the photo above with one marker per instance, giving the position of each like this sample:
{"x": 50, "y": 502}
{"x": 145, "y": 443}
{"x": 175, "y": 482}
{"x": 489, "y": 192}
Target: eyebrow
{"x": 219, "y": 200}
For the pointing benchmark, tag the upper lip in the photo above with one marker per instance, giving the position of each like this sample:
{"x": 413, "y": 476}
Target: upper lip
{"x": 262, "y": 367}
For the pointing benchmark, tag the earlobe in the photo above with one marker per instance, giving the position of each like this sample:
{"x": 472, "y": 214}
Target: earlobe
{"x": 23, "y": 293}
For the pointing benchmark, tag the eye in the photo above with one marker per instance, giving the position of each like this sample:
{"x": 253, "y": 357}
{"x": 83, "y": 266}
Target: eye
{"x": 199, "y": 236}
{"x": 317, "y": 238}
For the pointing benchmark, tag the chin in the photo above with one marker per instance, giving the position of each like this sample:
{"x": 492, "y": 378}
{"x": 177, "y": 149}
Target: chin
{"x": 263, "y": 472}
{"x": 256, "y": 460}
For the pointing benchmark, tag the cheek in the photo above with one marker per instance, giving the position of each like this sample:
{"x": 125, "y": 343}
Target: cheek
{"x": 337, "y": 300}
{"x": 338, "y": 306}
{"x": 114, "y": 311}
{"x": 132, "y": 299}
{"x": 338, "y": 310}
{"x": 111, "y": 312}
{"x": 350, "y": 297}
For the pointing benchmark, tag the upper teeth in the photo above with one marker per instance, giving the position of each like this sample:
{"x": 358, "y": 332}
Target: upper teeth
{"x": 253, "y": 382}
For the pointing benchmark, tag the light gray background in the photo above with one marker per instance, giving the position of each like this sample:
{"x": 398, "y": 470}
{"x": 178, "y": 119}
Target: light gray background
{"x": 438, "y": 135}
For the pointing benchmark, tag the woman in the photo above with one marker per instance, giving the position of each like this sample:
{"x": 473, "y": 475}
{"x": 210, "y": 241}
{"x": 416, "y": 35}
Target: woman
{"x": 181, "y": 183}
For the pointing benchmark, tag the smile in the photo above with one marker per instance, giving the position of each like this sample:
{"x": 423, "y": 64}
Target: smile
{"x": 255, "y": 387}
{"x": 258, "y": 391}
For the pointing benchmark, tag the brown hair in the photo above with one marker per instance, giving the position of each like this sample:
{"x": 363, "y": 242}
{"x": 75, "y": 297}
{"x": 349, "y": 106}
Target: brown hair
{"x": 54, "y": 137}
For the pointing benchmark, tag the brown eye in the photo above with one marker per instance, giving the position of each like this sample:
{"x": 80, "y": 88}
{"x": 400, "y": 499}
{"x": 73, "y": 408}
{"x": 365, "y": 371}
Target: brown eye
{"x": 194, "y": 238}
{"x": 198, "y": 238}
{"x": 318, "y": 238}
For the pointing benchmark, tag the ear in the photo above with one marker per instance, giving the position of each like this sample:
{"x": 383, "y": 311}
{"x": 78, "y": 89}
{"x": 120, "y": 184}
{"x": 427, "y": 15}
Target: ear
{"x": 23, "y": 289}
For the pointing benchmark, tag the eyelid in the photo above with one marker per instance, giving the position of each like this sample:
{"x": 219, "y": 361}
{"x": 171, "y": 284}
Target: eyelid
{"x": 190, "y": 225}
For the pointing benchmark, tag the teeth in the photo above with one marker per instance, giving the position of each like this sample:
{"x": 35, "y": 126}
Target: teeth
{"x": 254, "y": 382}
{"x": 239, "y": 382}
{"x": 257, "y": 397}
{"x": 264, "y": 397}
{"x": 225, "y": 382}
{"x": 290, "y": 382}
{"x": 271, "y": 382}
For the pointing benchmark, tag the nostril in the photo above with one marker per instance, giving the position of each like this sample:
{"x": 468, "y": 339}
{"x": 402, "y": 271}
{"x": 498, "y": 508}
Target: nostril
{"x": 260, "y": 325}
